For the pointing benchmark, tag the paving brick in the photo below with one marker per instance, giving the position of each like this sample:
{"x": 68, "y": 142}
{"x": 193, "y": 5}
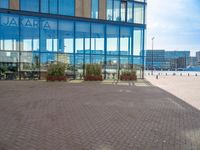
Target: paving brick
{"x": 38, "y": 115}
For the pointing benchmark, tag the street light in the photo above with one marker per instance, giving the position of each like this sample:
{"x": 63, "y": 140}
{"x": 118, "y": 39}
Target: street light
{"x": 152, "y": 55}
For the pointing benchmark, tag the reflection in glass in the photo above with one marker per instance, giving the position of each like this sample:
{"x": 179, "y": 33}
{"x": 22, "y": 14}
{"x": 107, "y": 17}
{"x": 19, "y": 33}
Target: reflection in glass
{"x": 138, "y": 42}
{"x": 97, "y": 39}
{"x": 129, "y": 11}
{"x": 125, "y": 40}
{"x": 82, "y": 37}
{"x": 123, "y": 11}
{"x": 4, "y": 3}
{"x": 66, "y": 7}
{"x": 116, "y": 13}
{"x": 9, "y": 64}
{"x": 109, "y": 9}
{"x": 9, "y": 32}
{"x": 138, "y": 13}
{"x": 25, "y": 5}
{"x": 48, "y": 35}
{"x": 112, "y": 66}
{"x": 95, "y": 9}
{"x": 46, "y": 59}
{"x": 112, "y": 40}
{"x": 30, "y": 34}
{"x": 66, "y": 36}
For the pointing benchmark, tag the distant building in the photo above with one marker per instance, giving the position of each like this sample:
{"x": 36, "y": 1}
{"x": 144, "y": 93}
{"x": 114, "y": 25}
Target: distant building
{"x": 167, "y": 60}
{"x": 177, "y": 60}
{"x": 198, "y": 57}
{"x": 193, "y": 61}
{"x": 155, "y": 59}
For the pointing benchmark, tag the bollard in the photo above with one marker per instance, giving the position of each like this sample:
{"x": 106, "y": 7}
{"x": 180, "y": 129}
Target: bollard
{"x": 196, "y": 74}
{"x": 181, "y": 74}
{"x": 188, "y": 74}
{"x": 156, "y": 76}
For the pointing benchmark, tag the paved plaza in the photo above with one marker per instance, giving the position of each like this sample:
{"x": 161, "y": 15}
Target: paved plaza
{"x": 185, "y": 87}
{"x": 38, "y": 115}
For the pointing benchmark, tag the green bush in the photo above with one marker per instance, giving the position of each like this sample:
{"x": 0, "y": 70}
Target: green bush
{"x": 56, "y": 70}
{"x": 93, "y": 70}
{"x": 128, "y": 73}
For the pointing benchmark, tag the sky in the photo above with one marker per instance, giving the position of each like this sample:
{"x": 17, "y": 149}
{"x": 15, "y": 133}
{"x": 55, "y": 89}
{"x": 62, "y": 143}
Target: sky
{"x": 175, "y": 24}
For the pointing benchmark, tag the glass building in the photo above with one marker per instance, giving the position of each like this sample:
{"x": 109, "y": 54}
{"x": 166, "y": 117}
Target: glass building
{"x": 167, "y": 60}
{"x": 35, "y": 33}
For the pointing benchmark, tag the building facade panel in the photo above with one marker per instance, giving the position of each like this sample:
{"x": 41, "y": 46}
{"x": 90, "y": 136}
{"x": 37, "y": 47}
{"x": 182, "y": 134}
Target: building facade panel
{"x": 102, "y": 9}
{"x": 14, "y": 4}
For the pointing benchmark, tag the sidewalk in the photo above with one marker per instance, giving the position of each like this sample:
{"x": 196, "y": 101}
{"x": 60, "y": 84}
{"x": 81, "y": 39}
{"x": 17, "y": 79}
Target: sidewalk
{"x": 184, "y": 87}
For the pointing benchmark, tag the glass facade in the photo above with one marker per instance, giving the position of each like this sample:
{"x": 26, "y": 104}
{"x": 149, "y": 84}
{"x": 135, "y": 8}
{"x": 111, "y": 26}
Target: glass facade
{"x": 95, "y": 9}
{"x": 29, "y": 41}
{"x": 167, "y": 60}
{"x": 30, "y": 5}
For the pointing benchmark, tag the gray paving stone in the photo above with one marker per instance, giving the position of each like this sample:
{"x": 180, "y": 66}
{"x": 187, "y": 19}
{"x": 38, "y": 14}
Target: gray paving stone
{"x": 37, "y": 115}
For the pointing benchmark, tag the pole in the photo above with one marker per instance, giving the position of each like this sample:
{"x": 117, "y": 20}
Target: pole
{"x": 152, "y": 55}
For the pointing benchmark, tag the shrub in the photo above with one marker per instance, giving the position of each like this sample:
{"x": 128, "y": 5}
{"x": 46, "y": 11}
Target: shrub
{"x": 93, "y": 72}
{"x": 56, "y": 70}
{"x": 128, "y": 75}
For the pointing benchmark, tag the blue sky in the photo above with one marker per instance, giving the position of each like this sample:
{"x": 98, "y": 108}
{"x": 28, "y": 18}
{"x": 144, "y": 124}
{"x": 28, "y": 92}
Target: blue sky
{"x": 175, "y": 24}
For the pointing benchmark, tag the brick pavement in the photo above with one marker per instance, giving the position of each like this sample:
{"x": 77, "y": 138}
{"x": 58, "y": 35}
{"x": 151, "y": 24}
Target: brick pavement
{"x": 36, "y": 115}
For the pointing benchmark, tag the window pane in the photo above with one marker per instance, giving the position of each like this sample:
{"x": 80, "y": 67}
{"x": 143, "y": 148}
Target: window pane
{"x": 109, "y": 9}
{"x": 95, "y": 7}
{"x": 116, "y": 16}
{"x": 3, "y": 3}
{"x": 53, "y": 6}
{"x": 138, "y": 42}
{"x": 138, "y": 66}
{"x": 66, "y": 36}
{"x": 10, "y": 61}
{"x": 112, "y": 63}
{"x": 123, "y": 11}
{"x": 47, "y": 59}
{"x": 30, "y": 33}
{"x": 125, "y": 40}
{"x": 44, "y": 6}
{"x": 79, "y": 66}
{"x": 112, "y": 40}
{"x": 125, "y": 63}
{"x": 9, "y": 32}
{"x": 66, "y": 7}
{"x": 25, "y": 5}
{"x": 130, "y": 12}
{"x": 48, "y": 35}
{"x": 29, "y": 62}
{"x": 138, "y": 13}
{"x": 82, "y": 37}
{"x": 97, "y": 39}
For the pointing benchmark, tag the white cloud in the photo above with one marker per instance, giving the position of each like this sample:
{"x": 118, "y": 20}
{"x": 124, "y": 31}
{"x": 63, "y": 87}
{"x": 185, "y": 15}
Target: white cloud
{"x": 174, "y": 23}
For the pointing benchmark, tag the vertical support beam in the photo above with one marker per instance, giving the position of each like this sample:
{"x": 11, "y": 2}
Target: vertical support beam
{"x": 118, "y": 63}
{"x": 20, "y": 42}
{"x": 74, "y": 51}
{"x": 132, "y": 48}
{"x": 143, "y": 46}
{"x": 105, "y": 50}
{"x": 39, "y": 48}
{"x": 90, "y": 42}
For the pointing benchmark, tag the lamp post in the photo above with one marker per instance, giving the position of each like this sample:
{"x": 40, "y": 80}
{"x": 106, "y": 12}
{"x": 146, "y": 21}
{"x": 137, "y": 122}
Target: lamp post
{"x": 152, "y": 55}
